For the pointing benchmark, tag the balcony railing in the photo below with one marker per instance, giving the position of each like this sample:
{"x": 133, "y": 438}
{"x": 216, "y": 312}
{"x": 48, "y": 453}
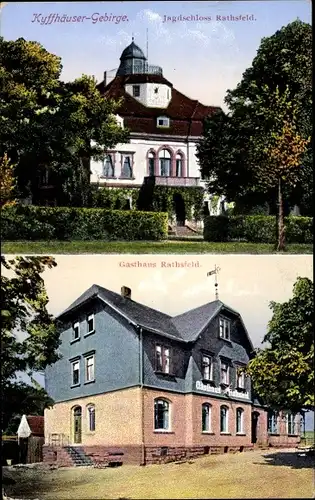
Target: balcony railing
{"x": 159, "y": 180}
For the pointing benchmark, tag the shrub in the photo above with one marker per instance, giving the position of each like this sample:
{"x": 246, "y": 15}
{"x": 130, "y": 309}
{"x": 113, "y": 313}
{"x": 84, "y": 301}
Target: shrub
{"x": 22, "y": 222}
{"x": 257, "y": 228}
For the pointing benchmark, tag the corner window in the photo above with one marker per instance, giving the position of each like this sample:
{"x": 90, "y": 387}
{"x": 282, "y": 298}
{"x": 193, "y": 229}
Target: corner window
{"x": 109, "y": 170}
{"x": 291, "y": 424}
{"x": 126, "y": 169}
{"x": 165, "y": 163}
{"x": 163, "y": 121}
{"x": 224, "y": 373}
{"x": 240, "y": 379}
{"x": 224, "y": 415}
{"x": 239, "y": 421}
{"x": 76, "y": 331}
{"x": 89, "y": 368}
{"x": 162, "y": 359}
{"x": 272, "y": 422}
{"x": 161, "y": 415}
{"x": 207, "y": 368}
{"x": 75, "y": 372}
{"x": 224, "y": 328}
{"x": 90, "y": 324}
{"x": 136, "y": 90}
{"x": 91, "y": 417}
{"x": 206, "y": 417}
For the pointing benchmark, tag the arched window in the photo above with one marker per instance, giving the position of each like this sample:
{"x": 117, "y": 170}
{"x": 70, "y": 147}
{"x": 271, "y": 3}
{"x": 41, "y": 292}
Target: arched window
{"x": 151, "y": 163}
{"x": 161, "y": 415}
{"x": 206, "y": 417}
{"x": 165, "y": 163}
{"x": 109, "y": 166}
{"x": 91, "y": 417}
{"x": 77, "y": 424}
{"x": 126, "y": 170}
{"x": 224, "y": 415}
{"x": 179, "y": 165}
{"x": 239, "y": 420}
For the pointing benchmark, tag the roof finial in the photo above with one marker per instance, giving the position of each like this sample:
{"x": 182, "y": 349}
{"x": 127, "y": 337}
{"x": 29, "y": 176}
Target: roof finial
{"x": 215, "y": 272}
{"x": 133, "y": 38}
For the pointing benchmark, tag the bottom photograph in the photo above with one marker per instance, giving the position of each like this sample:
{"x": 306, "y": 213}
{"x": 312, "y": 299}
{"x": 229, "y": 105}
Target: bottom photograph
{"x": 143, "y": 360}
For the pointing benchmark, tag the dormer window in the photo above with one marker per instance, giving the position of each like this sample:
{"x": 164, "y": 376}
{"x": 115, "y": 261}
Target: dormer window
{"x": 76, "y": 331}
{"x": 224, "y": 328}
{"x": 163, "y": 121}
{"x": 136, "y": 90}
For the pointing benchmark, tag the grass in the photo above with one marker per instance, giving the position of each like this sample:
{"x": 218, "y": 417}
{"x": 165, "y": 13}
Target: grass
{"x": 256, "y": 474}
{"x": 146, "y": 247}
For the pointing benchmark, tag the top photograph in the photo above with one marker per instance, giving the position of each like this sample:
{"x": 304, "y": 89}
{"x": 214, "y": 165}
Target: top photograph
{"x": 156, "y": 128}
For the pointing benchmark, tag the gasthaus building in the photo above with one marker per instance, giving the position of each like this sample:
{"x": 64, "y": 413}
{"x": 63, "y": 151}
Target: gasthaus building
{"x": 135, "y": 385}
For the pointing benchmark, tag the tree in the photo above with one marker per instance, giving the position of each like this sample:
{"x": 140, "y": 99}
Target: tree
{"x": 283, "y": 62}
{"x": 51, "y": 126}
{"x": 283, "y": 373}
{"x": 7, "y": 182}
{"x": 30, "y": 337}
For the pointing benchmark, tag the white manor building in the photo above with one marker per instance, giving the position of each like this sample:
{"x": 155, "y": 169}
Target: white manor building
{"x": 164, "y": 125}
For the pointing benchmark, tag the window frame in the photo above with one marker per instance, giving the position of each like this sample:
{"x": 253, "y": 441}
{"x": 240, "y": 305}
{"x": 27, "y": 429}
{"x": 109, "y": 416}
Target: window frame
{"x": 74, "y": 326}
{"x": 225, "y": 321}
{"x": 273, "y": 419}
{"x": 240, "y": 412}
{"x": 291, "y": 424}
{"x": 165, "y": 119}
{"x": 156, "y": 420}
{"x": 164, "y": 358}
{"x": 228, "y": 366}
{"x": 90, "y": 408}
{"x": 125, "y": 156}
{"x": 207, "y": 406}
{"x": 136, "y": 91}
{"x": 242, "y": 376}
{"x": 112, "y": 164}
{"x": 74, "y": 362}
{"x": 88, "y": 318}
{"x": 203, "y": 365}
{"x": 86, "y": 358}
{"x": 226, "y": 431}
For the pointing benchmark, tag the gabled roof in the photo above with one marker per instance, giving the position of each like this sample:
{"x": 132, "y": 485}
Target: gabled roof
{"x": 186, "y": 115}
{"x": 36, "y": 424}
{"x": 185, "y": 327}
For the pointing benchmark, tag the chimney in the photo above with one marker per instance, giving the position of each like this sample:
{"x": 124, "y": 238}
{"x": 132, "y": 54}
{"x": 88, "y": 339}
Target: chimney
{"x": 105, "y": 78}
{"x": 125, "y": 292}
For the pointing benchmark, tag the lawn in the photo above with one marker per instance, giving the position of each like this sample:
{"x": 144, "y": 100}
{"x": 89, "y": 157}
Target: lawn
{"x": 256, "y": 474}
{"x": 146, "y": 247}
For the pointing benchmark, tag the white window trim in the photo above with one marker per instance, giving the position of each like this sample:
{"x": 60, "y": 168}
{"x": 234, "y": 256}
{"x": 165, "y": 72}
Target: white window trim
{"x": 208, "y": 431}
{"x": 241, "y": 431}
{"x": 74, "y": 362}
{"x": 228, "y": 321}
{"x": 76, "y": 324}
{"x": 238, "y": 376}
{"x": 165, "y": 119}
{"x": 124, "y": 155}
{"x": 90, "y": 316}
{"x": 288, "y": 415}
{"x": 227, "y": 372}
{"x": 90, "y": 356}
{"x": 169, "y": 429}
{"x": 227, "y": 421}
{"x": 211, "y": 367}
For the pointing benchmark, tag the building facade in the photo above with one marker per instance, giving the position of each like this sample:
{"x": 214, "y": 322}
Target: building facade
{"x": 137, "y": 383}
{"x": 165, "y": 126}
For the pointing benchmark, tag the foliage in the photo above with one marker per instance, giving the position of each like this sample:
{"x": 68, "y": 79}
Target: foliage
{"x": 62, "y": 223}
{"x": 7, "y": 182}
{"x": 257, "y": 228}
{"x": 234, "y": 141}
{"x": 30, "y": 337}
{"x": 114, "y": 198}
{"x": 283, "y": 372}
{"x": 49, "y": 125}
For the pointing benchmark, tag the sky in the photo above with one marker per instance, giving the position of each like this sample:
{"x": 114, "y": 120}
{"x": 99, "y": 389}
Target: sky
{"x": 246, "y": 283}
{"x": 202, "y": 58}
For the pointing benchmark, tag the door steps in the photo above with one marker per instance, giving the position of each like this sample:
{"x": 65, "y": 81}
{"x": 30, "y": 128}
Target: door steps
{"x": 78, "y": 457}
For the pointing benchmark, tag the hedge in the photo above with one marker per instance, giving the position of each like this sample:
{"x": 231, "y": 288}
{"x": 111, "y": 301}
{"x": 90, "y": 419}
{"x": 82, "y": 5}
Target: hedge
{"x": 28, "y": 222}
{"x": 257, "y": 228}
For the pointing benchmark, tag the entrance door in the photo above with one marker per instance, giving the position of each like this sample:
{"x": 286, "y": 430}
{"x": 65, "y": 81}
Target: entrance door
{"x": 77, "y": 424}
{"x": 180, "y": 211}
{"x": 255, "y": 416}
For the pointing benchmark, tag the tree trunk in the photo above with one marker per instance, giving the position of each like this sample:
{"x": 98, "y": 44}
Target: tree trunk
{"x": 280, "y": 246}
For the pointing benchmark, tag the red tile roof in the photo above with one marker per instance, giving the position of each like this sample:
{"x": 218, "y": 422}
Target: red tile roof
{"x": 186, "y": 115}
{"x": 36, "y": 424}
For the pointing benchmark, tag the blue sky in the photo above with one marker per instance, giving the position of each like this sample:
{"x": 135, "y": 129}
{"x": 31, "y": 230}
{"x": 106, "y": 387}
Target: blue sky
{"x": 202, "y": 59}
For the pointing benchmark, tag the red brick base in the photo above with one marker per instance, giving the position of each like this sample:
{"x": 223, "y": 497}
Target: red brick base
{"x": 159, "y": 455}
